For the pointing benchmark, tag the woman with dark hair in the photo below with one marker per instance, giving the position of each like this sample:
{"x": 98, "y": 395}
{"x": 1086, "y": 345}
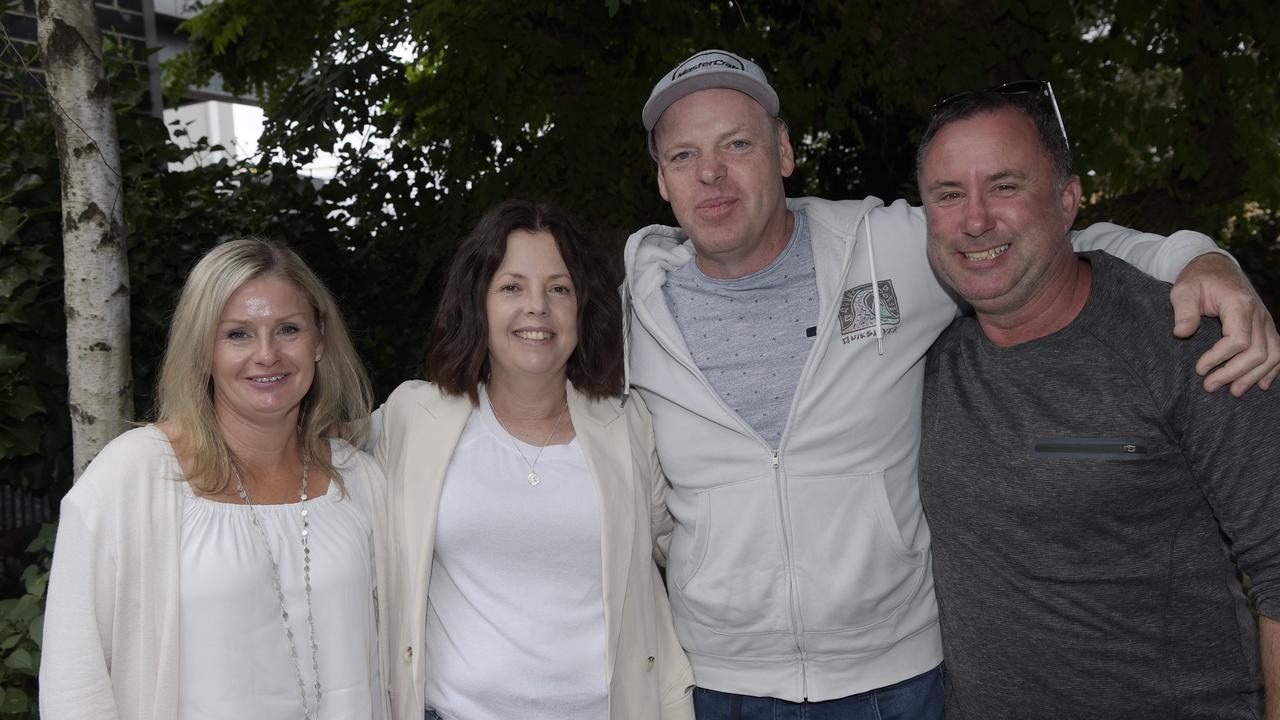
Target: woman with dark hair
{"x": 520, "y": 489}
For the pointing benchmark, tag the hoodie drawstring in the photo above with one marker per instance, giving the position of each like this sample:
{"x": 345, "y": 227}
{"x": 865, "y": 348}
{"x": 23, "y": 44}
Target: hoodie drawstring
{"x": 875, "y": 288}
{"x": 626, "y": 340}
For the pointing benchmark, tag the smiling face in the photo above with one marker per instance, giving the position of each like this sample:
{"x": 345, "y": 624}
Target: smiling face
{"x": 721, "y": 161}
{"x": 264, "y": 353}
{"x": 998, "y": 214}
{"x": 532, "y": 311}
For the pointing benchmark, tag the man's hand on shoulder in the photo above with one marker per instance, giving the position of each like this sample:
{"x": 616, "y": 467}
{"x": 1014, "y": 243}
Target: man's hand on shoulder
{"x": 1249, "y": 352}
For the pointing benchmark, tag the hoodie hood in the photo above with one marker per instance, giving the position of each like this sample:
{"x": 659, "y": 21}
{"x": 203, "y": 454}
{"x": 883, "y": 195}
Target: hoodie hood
{"x": 650, "y": 254}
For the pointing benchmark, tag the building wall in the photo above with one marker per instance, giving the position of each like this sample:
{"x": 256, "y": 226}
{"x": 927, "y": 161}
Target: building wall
{"x": 128, "y": 24}
{"x": 137, "y": 25}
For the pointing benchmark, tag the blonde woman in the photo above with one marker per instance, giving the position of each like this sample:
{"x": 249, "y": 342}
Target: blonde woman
{"x": 221, "y": 562}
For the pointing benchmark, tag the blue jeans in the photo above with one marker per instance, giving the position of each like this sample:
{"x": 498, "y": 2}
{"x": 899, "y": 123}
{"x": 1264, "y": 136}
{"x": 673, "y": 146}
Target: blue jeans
{"x": 917, "y": 698}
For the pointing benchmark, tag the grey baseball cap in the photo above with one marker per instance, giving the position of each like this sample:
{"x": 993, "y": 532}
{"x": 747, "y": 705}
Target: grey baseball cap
{"x": 703, "y": 71}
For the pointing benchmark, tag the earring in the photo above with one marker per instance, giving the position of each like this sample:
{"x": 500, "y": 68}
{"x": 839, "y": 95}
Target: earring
{"x": 317, "y": 357}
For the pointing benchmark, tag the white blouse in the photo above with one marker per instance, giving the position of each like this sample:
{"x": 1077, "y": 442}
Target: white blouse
{"x": 233, "y": 653}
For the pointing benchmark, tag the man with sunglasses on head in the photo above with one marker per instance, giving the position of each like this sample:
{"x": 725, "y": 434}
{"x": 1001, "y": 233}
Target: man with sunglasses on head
{"x": 779, "y": 345}
{"x": 1091, "y": 507}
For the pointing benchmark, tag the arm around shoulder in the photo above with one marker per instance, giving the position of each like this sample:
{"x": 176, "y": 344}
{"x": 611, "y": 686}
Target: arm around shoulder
{"x": 1249, "y": 352}
{"x": 1209, "y": 282}
{"x": 1161, "y": 257}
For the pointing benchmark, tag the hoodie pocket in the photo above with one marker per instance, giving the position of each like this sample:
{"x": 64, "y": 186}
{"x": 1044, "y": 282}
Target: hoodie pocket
{"x": 729, "y": 575}
{"x": 852, "y": 568}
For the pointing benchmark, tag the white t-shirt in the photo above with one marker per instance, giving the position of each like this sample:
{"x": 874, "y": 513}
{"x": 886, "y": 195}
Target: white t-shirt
{"x": 234, "y": 659}
{"x": 515, "y": 608}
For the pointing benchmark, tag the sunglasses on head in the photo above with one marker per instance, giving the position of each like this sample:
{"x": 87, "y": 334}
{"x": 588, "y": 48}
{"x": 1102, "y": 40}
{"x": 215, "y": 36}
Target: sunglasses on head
{"x": 1017, "y": 87}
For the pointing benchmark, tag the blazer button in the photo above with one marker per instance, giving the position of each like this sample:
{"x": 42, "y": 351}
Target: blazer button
{"x": 648, "y": 664}
{"x": 408, "y": 653}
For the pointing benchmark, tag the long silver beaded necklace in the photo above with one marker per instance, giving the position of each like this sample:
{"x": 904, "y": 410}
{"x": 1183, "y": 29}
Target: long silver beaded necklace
{"x": 306, "y": 577}
{"x": 534, "y": 477}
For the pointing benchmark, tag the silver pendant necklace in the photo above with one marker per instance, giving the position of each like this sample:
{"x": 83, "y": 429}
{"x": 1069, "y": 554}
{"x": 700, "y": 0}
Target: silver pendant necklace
{"x": 534, "y": 477}
{"x": 306, "y": 578}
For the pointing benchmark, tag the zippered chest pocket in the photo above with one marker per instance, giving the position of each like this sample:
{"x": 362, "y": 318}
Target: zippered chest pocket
{"x": 1091, "y": 448}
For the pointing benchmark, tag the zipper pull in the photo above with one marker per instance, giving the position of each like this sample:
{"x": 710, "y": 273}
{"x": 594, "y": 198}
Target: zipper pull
{"x": 775, "y": 459}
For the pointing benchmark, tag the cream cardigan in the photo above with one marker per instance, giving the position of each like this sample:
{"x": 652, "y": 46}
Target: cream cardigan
{"x": 110, "y": 646}
{"x": 648, "y": 674}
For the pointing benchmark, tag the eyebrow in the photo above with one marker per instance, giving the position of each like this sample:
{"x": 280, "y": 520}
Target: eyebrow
{"x": 242, "y": 321}
{"x": 1001, "y": 175}
{"x": 742, "y": 128}
{"x": 1005, "y": 175}
{"x": 522, "y": 276}
{"x": 941, "y": 184}
{"x": 738, "y": 129}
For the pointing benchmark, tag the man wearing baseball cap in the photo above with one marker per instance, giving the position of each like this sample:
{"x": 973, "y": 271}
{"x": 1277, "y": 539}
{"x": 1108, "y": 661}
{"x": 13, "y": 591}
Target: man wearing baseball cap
{"x": 778, "y": 344}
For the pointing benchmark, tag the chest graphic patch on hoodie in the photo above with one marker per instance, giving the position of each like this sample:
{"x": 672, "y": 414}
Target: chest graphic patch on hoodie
{"x": 858, "y": 311}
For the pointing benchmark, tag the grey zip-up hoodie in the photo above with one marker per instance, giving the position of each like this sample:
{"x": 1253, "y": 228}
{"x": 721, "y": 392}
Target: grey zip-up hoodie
{"x": 803, "y": 571}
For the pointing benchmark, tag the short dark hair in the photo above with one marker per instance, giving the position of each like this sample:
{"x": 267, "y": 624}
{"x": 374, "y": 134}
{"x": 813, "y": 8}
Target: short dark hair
{"x": 458, "y": 360}
{"x": 1035, "y": 106}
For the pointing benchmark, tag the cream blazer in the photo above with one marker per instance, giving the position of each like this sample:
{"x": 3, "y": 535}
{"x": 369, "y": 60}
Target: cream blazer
{"x": 648, "y": 674}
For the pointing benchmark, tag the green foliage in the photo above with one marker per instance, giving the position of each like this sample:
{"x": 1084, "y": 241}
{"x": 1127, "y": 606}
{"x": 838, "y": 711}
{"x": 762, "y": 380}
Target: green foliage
{"x": 282, "y": 31}
{"x": 1188, "y": 98}
{"x": 22, "y": 625}
{"x": 1174, "y": 109}
{"x": 1251, "y": 236}
{"x": 34, "y": 427}
{"x": 34, "y": 424}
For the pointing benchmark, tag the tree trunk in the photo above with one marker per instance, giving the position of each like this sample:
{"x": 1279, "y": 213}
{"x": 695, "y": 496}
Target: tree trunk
{"x": 100, "y": 386}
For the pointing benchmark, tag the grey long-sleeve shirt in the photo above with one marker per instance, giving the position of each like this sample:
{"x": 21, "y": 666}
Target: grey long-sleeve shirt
{"x": 1090, "y": 506}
